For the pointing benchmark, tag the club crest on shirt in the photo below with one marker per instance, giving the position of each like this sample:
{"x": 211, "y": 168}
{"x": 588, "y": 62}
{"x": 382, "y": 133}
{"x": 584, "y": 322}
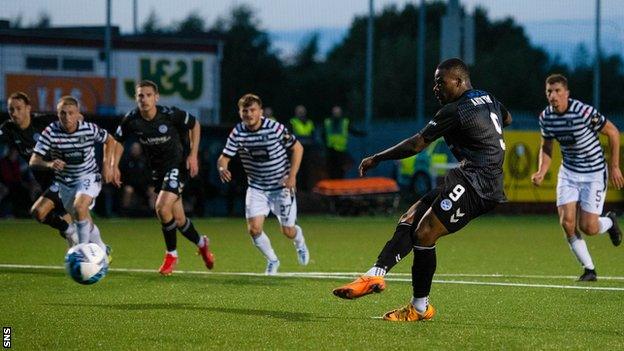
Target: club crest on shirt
{"x": 446, "y": 204}
{"x": 162, "y": 129}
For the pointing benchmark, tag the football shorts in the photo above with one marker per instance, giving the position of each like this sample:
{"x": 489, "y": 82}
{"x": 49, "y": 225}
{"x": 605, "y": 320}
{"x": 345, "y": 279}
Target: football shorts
{"x": 458, "y": 203}
{"x": 171, "y": 180}
{"x": 90, "y": 184}
{"x": 590, "y": 189}
{"x": 282, "y": 202}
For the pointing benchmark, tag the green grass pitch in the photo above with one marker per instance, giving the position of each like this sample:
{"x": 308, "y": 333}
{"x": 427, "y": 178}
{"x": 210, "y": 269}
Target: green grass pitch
{"x": 501, "y": 283}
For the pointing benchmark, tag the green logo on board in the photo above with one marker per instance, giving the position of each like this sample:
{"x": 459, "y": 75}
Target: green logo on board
{"x": 172, "y": 77}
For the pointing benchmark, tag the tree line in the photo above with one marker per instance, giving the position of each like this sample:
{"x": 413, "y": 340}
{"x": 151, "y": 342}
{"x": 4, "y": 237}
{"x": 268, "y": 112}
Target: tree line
{"x": 507, "y": 64}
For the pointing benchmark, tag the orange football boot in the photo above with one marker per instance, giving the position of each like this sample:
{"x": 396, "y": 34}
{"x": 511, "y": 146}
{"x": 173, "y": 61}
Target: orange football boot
{"x": 409, "y": 314}
{"x": 363, "y": 285}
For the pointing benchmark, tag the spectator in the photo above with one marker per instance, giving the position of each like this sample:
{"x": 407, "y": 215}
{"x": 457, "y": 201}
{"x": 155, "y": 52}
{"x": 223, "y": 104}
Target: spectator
{"x": 337, "y": 130}
{"x": 305, "y": 131}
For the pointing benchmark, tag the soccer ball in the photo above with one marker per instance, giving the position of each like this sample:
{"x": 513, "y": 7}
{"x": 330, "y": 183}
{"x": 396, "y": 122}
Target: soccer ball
{"x": 86, "y": 263}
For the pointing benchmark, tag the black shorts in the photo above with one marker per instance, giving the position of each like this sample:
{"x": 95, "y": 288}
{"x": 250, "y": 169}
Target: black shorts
{"x": 50, "y": 191}
{"x": 171, "y": 180}
{"x": 458, "y": 203}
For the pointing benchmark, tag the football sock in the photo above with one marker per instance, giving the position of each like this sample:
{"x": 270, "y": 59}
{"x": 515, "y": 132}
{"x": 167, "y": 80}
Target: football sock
{"x": 605, "y": 224}
{"x": 55, "y": 221}
{"x": 96, "y": 238}
{"x": 579, "y": 249}
{"x": 298, "y": 240}
{"x": 202, "y": 242}
{"x": 188, "y": 230}
{"x": 71, "y": 235}
{"x": 376, "y": 271}
{"x": 423, "y": 269}
{"x": 263, "y": 243}
{"x": 169, "y": 232}
{"x": 420, "y": 303}
{"x": 84, "y": 231}
{"x": 396, "y": 248}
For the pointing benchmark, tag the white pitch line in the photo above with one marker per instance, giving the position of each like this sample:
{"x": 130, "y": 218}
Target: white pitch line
{"x": 346, "y": 276}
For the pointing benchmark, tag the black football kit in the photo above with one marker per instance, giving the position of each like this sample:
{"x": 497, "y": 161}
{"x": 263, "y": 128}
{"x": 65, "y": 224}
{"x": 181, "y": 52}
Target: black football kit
{"x": 165, "y": 141}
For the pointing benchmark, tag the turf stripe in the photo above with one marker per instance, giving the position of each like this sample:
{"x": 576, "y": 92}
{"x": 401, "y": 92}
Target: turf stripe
{"x": 348, "y": 276}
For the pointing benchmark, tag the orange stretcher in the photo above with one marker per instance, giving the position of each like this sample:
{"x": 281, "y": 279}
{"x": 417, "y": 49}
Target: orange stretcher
{"x": 354, "y": 196}
{"x": 358, "y": 186}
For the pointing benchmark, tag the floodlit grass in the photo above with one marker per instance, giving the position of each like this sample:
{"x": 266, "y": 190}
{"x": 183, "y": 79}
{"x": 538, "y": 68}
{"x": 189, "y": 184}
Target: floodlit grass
{"x": 501, "y": 283}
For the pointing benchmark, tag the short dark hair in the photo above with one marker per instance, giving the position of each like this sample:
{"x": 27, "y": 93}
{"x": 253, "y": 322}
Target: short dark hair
{"x": 456, "y": 65}
{"x": 18, "y": 95}
{"x": 147, "y": 83}
{"x": 248, "y": 100}
{"x": 557, "y": 78}
{"x": 68, "y": 100}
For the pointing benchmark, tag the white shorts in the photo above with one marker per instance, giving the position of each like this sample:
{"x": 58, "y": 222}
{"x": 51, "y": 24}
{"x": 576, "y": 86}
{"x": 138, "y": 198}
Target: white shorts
{"x": 89, "y": 185}
{"x": 281, "y": 202}
{"x": 590, "y": 189}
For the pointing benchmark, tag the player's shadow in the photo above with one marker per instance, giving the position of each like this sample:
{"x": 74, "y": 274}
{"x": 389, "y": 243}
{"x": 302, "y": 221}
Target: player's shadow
{"x": 285, "y": 315}
{"x": 582, "y": 329}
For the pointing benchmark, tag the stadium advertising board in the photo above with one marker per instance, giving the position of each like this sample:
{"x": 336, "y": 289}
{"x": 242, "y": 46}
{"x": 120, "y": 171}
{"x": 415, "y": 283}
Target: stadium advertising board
{"x": 186, "y": 80}
{"x": 521, "y": 162}
{"x": 45, "y": 90}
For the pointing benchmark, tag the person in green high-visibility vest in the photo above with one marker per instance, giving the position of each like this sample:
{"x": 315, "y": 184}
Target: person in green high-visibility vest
{"x": 336, "y": 131}
{"x": 305, "y": 131}
{"x": 302, "y": 127}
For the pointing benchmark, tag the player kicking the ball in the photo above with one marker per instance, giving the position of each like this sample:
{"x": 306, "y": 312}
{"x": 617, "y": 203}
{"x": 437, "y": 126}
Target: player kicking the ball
{"x": 471, "y": 123}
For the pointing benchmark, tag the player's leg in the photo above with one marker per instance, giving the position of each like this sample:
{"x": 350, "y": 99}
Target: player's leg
{"x": 578, "y": 246}
{"x": 48, "y": 209}
{"x": 568, "y": 197}
{"x": 399, "y": 246}
{"x": 402, "y": 242}
{"x": 592, "y": 199}
{"x": 186, "y": 227}
{"x": 84, "y": 200}
{"x": 256, "y": 210}
{"x": 457, "y": 204}
{"x": 262, "y": 242}
{"x": 164, "y": 212}
{"x": 283, "y": 204}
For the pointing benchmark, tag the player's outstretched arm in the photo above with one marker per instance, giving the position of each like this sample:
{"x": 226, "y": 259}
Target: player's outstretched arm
{"x": 545, "y": 158}
{"x": 222, "y": 166}
{"x": 406, "y": 148}
{"x": 615, "y": 173}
